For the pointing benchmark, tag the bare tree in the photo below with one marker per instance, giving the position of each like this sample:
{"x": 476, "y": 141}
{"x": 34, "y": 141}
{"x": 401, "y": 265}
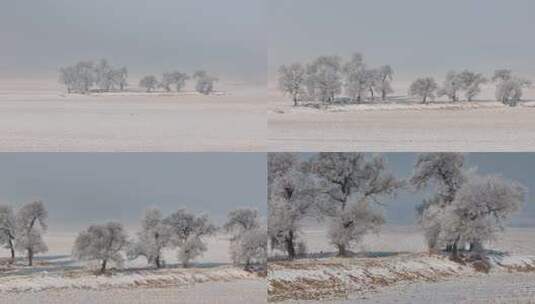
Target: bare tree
{"x": 292, "y": 81}
{"x": 101, "y": 242}
{"x": 29, "y": 235}
{"x": 424, "y": 88}
{"x": 8, "y": 230}
{"x": 149, "y": 83}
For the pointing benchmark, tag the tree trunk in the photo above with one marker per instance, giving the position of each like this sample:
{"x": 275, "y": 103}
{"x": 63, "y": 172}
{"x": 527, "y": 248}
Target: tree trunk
{"x": 383, "y": 95}
{"x": 157, "y": 261}
{"x": 371, "y": 93}
{"x": 12, "y": 255}
{"x": 425, "y": 99}
{"x": 290, "y": 247}
{"x": 30, "y": 257}
{"x": 295, "y": 100}
{"x": 342, "y": 250}
{"x": 103, "y": 266}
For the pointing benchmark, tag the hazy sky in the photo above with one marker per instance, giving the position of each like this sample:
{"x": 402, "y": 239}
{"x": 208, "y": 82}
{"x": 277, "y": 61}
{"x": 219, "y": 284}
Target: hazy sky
{"x": 83, "y": 188}
{"x": 417, "y": 37}
{"x": 226, "y": 37}
{"x": 513, "y": 166}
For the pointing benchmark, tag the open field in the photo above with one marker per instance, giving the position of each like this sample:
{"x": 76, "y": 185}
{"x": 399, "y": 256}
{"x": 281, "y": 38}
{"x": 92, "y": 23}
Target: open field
{"x": 394, "y": 266}
{"x": 403, "y": 125}
{"x": 37, "y": 115}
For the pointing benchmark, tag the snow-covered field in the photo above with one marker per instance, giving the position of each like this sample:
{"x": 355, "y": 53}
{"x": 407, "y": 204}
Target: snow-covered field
{"x": 395, "y": 266}
{"x": 37, "y": 115}
{"x": 403, "y": 125}
{"x": 56, "y": 278}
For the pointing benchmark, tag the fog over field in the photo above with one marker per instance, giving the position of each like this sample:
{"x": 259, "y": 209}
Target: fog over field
{"x": 415, "y": 37}
{"x": 84, "y": 188}
{"x": 147, "y": 37}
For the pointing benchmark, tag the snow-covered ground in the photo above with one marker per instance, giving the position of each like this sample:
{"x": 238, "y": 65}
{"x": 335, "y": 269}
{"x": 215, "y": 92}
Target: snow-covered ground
{"x": 37, "y": 115}
{"x": 394, "y": 265}
{"x": 403, "y": 125}
{"x": 56, "y": 278}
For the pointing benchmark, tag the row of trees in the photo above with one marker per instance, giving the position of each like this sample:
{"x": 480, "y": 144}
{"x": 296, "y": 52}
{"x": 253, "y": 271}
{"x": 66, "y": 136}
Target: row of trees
{"x": 329, "y": 79}
{"x": 348, "y": 191}
{"x": 86, "y": 76}
{"x": 182, "y": 231}
{"x": 324, "y": 78}
{"x": 204, "y": 84}
{"x": 508, "y": 86}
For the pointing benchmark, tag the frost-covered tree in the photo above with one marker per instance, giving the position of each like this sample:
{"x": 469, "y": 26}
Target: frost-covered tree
{"x": 471, "y": 83}
{"x": 480, "y": 209}
{"x": 348, "y": 183}
{"x": 324, "y": 79}
{"x": 175, "y": 78}
{"x": 246, "y": 241}
{"x": 509, "y": 88}
{"x": 357, "y": 77}
{"x": 451, "y": 86}
{"x": 292, "y": 81}
{"x": 29, "y": 235}
{"x": 373, "y": 79}
{"x": 152, "y": 239}
{"x": 149, "y": 83}
{"x": 104, "y": 75}
{"x": 445, "y": 173}
{"x": 351, "y": 224}
{"x": 187, "y": 231}
{"x": 424, "y": 88}
{"x": 290, "y": 199}
{"x": 78, "y": 78}
{"x": 250, "y": 248}
{"x": 68, "y": 77}
{"x": 119, "y": 78}
{"x": 279, "y": 164}
{"x": 8, "y": 230}
{"x": 205, "y": 82}
{"x": 385, "y": 76}
{"x": 103, "y": 243}
{"x": 240, "y": 220}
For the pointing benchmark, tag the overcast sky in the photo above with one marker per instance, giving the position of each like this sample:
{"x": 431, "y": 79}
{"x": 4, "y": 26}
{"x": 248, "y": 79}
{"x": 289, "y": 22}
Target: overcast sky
{"x": 83, "y": 188}
{"x": 513, "y": 166}
{"x": 226, "y": 37}
{"x": 417, "y": 37}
